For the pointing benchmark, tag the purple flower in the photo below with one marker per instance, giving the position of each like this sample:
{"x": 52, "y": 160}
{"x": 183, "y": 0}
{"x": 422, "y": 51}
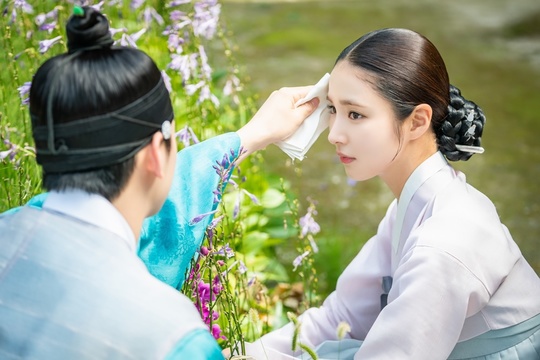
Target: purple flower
{"x": 135, "y": 4}
{"x": 184, "y": 64}
{"x": 131, "y": 40}
{"x": 11, "y": 152}
{"x": 216, "y": 332}
{"x": 177, "y": 15}
{"x": 150, "y": 14}
{"x": 207, "y": 70}
{"x": 23, "y": 5}
{"x": 166, "y": 81}
{"x": 45, "y": 45}
{"x": 24, "y": 91}
{"x": 308, "y": 223}
{"x": 242, "y": 267}
{"x": 99, "y": 6}
{"x": 48, "y": 27}
{"x": 41, "y": 18}
{"x": 206, "y": 18}
{"x": 186, "y": 135}
{"x": 298, "y": 260}
{"x": 204, "y": 251}
{"x": 192, "y": 88}
{"x": 199, "y": 218}
{"x": 116, "y": 31}
{"x": 251, "y": 196}
{"x": 178, "y": 2}
{"x": 175, "y": 43}
{"x": 206, "y": 94}
{"x": 226, "y": 251}
{"x": 236, "y": 210}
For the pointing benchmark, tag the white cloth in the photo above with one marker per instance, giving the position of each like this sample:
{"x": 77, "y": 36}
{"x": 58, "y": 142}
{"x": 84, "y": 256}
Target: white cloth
{"x": 298, "y": 144}
{"x": 93, "y": 209}
{"x": 457, "y": 273}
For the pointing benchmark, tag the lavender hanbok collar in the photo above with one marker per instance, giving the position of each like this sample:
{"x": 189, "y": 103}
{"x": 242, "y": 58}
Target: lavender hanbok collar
{"x": 419, "y": 176}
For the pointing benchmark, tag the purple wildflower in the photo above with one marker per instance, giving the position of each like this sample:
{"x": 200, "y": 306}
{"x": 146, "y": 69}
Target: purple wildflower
{"x": 166, "y": 81}
{"x": 135, "y": 4}
{"x": 99, "y": 5}
{"x": 177, "y": 2}
{"x": 226, "y": 251}
{"x": 186, "y": 135}
{"x": 177, "y": 15}
{"x": 45, "y": 45}
{"x": 150, "y": 14}
{"x": 298, "y": 260}
{"x": 23, "y": 5}
{"x": 204, "y": 251}
{"x": 215, "y": 222}
{"x": 308, "y": 223}
{"x": 206, "y": 18}
{"x": 236, "y": 210}
{"x": 184, "y": 64}
{"x": 116, "y": 31}
{"x": 206, "y": 94}
{"x": 242, "y": 268}
{"x": 131, "y": 40}
{"x": 206, "y": 69}
{"x": 24, "y": 91}
{"x": 11, "y": 152}
{"x": 200, "y": 217}
{"x": 251, "y": 196}
{"x": 49, "y": 27}
{"x": 216, "y": 332}
{"x": 192, "y": 88}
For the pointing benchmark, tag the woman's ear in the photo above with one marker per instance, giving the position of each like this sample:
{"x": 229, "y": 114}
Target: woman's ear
{"x": 420, "y": 120}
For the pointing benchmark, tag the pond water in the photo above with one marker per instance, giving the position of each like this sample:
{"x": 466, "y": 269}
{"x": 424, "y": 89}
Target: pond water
{"x": 492, "y": 51}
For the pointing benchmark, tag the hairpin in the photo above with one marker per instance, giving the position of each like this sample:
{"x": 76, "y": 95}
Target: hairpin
{"x": 166, "y": 129}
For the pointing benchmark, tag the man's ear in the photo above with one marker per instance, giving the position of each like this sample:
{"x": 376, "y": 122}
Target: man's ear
{"x": 420, "y": 120}
{"x": 154, "y": 159}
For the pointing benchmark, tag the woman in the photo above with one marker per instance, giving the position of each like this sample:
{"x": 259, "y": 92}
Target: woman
{"x": 442, "y": 278}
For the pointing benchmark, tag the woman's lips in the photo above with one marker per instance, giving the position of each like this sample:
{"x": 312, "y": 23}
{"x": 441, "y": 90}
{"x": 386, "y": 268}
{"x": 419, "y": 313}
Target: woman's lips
{"x": 345, "y": 159}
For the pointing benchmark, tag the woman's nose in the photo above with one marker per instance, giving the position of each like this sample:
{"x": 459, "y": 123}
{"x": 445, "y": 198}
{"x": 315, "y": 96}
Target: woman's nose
{"x": 336, "y": 135}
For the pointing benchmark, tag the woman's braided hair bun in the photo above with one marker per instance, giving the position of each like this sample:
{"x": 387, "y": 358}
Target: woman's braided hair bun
{"x": 88, "y": 29}
{"x": 462, "y": 126}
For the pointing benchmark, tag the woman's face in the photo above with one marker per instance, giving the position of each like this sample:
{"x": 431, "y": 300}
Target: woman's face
{"x": 362, "y": 123}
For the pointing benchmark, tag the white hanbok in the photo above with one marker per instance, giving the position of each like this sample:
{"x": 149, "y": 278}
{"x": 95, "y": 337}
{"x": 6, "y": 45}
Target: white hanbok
{"x": 460, "y": 287}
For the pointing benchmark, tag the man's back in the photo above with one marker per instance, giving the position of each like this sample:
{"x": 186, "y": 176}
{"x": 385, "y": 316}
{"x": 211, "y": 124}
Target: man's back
{"x": 69, "y": 289}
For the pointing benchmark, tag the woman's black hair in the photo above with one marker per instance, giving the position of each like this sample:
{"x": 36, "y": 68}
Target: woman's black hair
{"x": 92, "y": 78}
{"x": 408, "y": 71}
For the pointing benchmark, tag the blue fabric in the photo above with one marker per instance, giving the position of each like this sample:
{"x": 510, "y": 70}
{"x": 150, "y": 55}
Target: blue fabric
{"x": 71, "y": 290}
{"x": 197, "y": 345}
{"x": 518, "y": 342}
{"x": 168, "y": 242}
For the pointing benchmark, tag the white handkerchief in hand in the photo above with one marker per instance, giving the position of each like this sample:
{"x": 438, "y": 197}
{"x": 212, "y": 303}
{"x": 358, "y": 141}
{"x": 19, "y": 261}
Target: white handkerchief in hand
{"x": 298, "y": 144}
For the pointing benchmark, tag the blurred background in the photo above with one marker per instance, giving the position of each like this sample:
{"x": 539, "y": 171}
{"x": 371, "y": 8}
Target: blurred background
{"x": 492, "y": 52}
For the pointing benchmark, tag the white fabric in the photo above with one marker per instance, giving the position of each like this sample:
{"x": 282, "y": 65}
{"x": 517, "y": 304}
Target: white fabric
{"x": 93, "y": 209}
{"x": 457, "y": 274}
{"x": 298, "y": 144}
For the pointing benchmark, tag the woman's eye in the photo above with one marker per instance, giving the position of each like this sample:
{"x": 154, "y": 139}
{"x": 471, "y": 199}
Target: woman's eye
{"x": 354, "y": 115}
{"x": 331, "y": 109}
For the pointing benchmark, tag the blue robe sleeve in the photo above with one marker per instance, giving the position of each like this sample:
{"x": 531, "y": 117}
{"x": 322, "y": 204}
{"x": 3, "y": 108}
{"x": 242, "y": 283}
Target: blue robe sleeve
{"x": 169, "y": 239}
{"x": 198, "y": 344}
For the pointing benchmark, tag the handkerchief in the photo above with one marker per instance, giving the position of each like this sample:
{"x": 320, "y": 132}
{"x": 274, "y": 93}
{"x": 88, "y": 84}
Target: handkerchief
{"x": 298, "y": 144}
